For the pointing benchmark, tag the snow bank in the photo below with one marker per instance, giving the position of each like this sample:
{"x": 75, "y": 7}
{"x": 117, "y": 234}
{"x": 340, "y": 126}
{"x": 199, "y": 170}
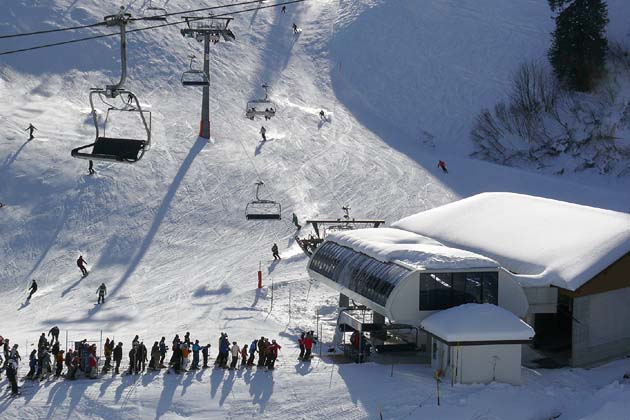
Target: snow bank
{"x": 545, "y": 241}
{"x": 420, "y": 252}
{"x": 477, "y": 322}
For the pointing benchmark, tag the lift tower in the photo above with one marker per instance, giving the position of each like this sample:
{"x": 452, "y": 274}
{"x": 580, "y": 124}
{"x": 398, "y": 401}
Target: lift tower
{"x": 209, "y": 30}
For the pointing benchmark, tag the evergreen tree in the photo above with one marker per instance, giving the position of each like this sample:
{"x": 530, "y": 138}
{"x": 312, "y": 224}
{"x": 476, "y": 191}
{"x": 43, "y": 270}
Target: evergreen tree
{"x": 578, "y": 49}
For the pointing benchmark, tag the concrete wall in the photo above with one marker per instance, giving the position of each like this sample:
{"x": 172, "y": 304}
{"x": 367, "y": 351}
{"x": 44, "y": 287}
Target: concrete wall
{"x": 541, "y": 300}
{"x": 601, "y": 327}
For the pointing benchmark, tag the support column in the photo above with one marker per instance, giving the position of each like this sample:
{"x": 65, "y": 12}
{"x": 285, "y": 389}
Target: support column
{"x": 204, "y": 130}
{"x": 378, "y": 319}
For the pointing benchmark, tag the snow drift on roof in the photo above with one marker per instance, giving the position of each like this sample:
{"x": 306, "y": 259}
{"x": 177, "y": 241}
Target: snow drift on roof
{"x": 388, "y": 245}
{"x": 477, "y": 322}
{"x": 544, "y": 241}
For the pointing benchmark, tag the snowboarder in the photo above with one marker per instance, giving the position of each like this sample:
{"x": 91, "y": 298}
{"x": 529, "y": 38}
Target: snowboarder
{"x": 322, "y": 115}
{"x": 101, "y": 292}
{"x": 442, "y": 166}
{"x": 236, "y": 351}
{"x": 32, "y": 289}
{"x": 295, "y": 28}
{"x": 54, "y": 331}
{"x": 118, "y": 351}
{"x": 295, "y": 222}
{"x": 91, "y": 170}
{"x": 274, "y": 251}
{"x": 30, "y": 129}
{"x": 81, "y": 264}
{"x": 263, "y": 131}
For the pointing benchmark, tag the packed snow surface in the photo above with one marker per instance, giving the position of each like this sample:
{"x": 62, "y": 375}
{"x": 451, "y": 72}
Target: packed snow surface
{"x": 420, "y": 252}
{"x": 543, "y": 241}
{"x": 168, "y": 235}
{"x": 477, "y": 322}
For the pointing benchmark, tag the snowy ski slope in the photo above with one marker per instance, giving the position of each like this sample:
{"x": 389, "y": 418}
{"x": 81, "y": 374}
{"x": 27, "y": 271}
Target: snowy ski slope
{"x": 168, "y": 235}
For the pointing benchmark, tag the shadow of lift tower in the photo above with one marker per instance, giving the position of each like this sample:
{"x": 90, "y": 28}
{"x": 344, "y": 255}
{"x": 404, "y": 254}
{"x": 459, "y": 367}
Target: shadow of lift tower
{"x": 206, "y": 31}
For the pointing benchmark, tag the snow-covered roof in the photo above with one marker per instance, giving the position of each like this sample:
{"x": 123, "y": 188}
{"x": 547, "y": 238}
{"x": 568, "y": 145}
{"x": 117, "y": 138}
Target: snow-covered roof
{"x": 477, "y": 322}
{"x": 417, "y": 251}
{"x": 543, "y": 241}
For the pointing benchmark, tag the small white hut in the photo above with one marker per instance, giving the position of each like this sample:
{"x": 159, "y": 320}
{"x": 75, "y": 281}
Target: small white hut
{"x": 477, "y": 343}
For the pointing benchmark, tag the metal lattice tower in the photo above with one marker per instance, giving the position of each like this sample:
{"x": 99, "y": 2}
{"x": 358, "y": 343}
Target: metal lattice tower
{"x": 207, "y": 30}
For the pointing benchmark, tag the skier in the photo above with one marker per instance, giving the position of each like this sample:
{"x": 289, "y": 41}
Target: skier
{"x": 54, "y": 331}
{"x": 244, "y": 355}
{"x": 108, "y": 349}
{"x": 118, "y": 357}
{"x": 81, "y": 264}
{"x": 308, "y": 345}
{"x": 204, "y": 353}
{"x": 185, "y": 351}
{"x": 155, "y": 356}
{"x": 295, "y": 222}
{"x": 272, "y": 350}
{"x": 59, "y": 359}
{"x": 101, "y": 292}
{"x": 132, "y": 361}
{"x": 284, "y": 9}
{"x": 301, "y": 344}
{"x": 442, "y": 166}
{"x": 187, "y": 338}
{"x": 295, "y": 28}
{"x": 33, "y": 289}
{"x": 42, "y": 343}
{"x": 141, "y": 357}
{"x": 12, "y": 370}
{"x": 224, "y": 350}
{"x": 32, "y": 364}
{"x": 30, "y": 129}
{"x": 322, "y": 115}
{"x": 252, "y": 352}
{"x": 263, "y": 131}
{"x": 195, "y": 350}
{"x": 92, "y": 366}
{"x": 274, "y": 251}
{"x": 163, "y": 350}
{"x": 261, "y": 351}
{"x": 91, "y": 170}
{"x": 236, "y": 351}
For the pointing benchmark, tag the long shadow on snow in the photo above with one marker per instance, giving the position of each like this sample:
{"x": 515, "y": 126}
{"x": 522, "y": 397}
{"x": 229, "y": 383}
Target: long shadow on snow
{"x": 169, "y": 385}
{"x": 261, "y": 388}
{"x": 159, "y": 217}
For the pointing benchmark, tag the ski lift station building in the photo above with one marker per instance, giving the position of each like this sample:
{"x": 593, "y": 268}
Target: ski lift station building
{"x": 563, "y": 268}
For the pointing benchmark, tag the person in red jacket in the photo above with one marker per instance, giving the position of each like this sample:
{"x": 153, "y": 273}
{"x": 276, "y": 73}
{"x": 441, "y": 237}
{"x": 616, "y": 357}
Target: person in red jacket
{"x": 273, "y": 354}
{"x": 308, "y": 346}
{"x": 442, "y": 166}
{"x": 301, "y": 344}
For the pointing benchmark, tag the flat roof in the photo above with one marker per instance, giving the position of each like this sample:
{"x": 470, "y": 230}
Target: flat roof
{"x": 411, "y": 249}
{"x": 478, "y": 323}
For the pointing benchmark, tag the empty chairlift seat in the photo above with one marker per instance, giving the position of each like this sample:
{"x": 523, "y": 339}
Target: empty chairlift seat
{"x": 263, "y": 209}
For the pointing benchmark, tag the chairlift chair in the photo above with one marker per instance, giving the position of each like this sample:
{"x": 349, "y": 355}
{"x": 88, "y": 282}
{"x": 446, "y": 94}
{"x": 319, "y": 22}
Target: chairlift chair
{"x": 194, "y": 77}
{"x": 260, "y": 209}
{"x": 261, "y": 107}
{"x": 156, "y": 13}
{"x": 116, "y": 149}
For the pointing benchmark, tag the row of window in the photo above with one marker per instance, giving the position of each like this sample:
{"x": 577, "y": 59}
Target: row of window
{"x": 445, "y": 290}
{"x": 364, "y": 275}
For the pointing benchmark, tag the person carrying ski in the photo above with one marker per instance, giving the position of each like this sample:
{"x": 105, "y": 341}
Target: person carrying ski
{"x": 296, "y": 222}
{"x": 81, "y": 264}
{"x": 32, "y": 289}
{"x": 204, "y": 353}
{"x": 263, "y": 132}
{"x": 442, "y": 166}
{"x": 54, "y": 331}
{"x": 101, "y": 292}
{"x": 30, "y": 129}
{"x": 274, "y": 251}
{"x": 91, "y": 170}
{"x": 236, "y": 351}
{"x": 118, "y": 353}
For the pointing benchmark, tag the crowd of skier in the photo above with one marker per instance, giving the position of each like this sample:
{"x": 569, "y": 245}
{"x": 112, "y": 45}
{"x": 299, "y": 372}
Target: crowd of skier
{"x": 83, "y": 361}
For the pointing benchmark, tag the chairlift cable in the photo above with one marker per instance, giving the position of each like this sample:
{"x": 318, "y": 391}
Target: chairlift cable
{"x": 146, "y": 28}
{"x": 48, "y": 31}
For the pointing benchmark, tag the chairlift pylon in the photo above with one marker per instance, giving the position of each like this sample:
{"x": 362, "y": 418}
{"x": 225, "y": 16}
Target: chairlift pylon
{"x": 261, "y": 107}
{"x": 117, "y": 149}
{"x": 194, "y": 77}
{"x": 261, "y": 209}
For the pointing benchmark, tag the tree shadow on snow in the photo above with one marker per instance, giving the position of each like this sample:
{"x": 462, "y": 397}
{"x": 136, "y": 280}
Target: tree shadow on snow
{"x": 159, "y": 216}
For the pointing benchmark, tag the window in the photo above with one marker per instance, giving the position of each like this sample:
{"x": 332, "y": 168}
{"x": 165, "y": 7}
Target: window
{"x": 364, "y": 275}
{"x": 445, "y": 290}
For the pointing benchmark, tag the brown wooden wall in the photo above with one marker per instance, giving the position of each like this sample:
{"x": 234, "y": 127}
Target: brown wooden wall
{"x": 616, "y": 276}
